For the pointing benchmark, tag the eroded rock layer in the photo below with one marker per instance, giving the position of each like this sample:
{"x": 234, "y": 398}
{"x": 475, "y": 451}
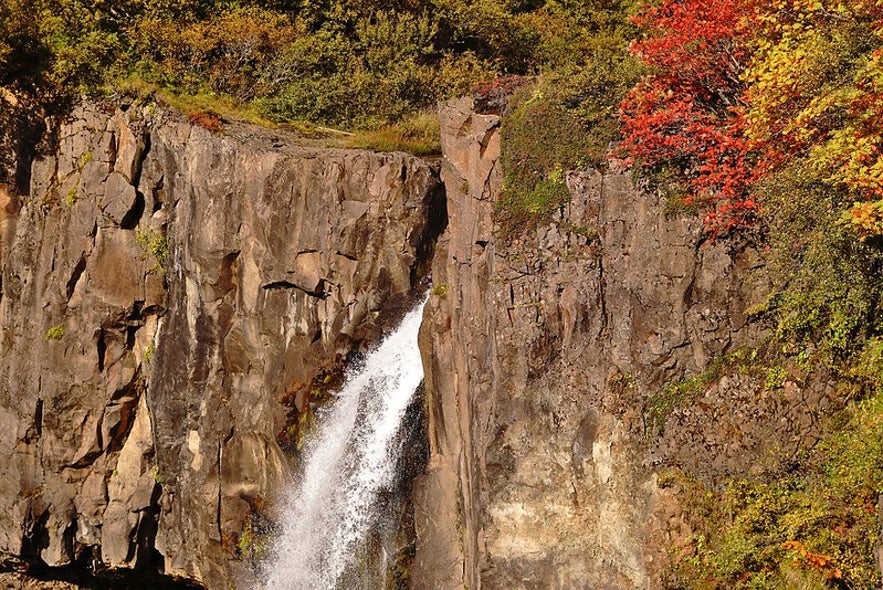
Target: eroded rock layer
{"x": 163, "y": 288}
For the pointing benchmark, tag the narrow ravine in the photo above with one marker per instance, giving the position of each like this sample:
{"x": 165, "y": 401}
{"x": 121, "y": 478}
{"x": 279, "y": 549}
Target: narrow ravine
{"x": 350, "y": 461}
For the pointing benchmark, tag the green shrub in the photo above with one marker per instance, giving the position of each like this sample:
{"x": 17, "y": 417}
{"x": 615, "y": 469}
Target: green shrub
{"x": 154, "y": 244}
{"x": 148, "y": 352}
{"x": 659, "y": 406}
{"x": 55, "y": 332}
{"x": 541, "y": 139}
{"x": 775, "y": 378}
{"x": 226, "y": 53}
{"x": 252, "y": 543}
{"x": 828, "y": 289}
{"x": 568, "y": 120}
{"x": 85, "y": 159}
{"x": 24, "y": 56}
{"x": 382, "y": 71}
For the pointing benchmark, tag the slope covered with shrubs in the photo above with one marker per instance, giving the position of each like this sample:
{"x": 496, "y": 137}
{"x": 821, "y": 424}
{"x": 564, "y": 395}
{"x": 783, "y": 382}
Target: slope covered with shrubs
{"x": 351, "y": 64}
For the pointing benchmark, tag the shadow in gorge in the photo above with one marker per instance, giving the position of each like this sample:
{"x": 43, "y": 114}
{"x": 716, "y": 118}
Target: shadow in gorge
{"x": 396, "y": 538}
{"x": 80, "y": 574}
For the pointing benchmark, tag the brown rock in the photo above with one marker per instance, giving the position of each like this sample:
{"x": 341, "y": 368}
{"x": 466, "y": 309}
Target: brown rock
{"x": 540, "y": 351}
{"x": 152, "y": 320}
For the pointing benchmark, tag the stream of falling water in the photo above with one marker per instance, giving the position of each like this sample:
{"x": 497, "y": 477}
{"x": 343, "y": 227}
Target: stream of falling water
{"x": 350, "y": 460}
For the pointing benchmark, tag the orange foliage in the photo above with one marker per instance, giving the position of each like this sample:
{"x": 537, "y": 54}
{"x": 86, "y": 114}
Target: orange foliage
{"x": 814, "y": 561}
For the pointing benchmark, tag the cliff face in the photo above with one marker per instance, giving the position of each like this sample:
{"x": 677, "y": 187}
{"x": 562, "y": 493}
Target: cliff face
{"x": 163, "y": 289}
{"x": 543, "y": 356}
{"x": 170, "y": 295}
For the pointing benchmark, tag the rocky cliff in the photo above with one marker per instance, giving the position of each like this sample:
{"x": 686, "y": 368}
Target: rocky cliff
{"x": 172, "y": 300}
{"x": 545, "y": 354}
{"x": 168, "y": 295}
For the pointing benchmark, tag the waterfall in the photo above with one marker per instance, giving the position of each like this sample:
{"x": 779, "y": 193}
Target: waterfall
{"x": 349, "y": 461}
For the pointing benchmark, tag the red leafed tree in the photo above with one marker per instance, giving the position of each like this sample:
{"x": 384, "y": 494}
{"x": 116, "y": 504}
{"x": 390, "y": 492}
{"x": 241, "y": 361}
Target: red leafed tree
{"x": 687, "y": 114}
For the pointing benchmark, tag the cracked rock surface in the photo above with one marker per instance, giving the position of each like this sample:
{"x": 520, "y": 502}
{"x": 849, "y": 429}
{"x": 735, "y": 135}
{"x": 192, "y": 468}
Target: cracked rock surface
{"x": 162, "y": 289}
{"x": 542, "y": 351}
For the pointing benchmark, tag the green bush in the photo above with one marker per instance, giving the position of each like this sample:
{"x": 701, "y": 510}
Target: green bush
{"x": 55, "y": 332}
{"x": 383, "y": 71}
{"x": 828, "y": 284}
{"x": 356, "y": 65}
{"x": 154, "y": 244}
{"x": 23, "y": 53}
{"x": 228, "y": 53}
{"x": 659, "y": 406}
{"x": 569, "y": 119}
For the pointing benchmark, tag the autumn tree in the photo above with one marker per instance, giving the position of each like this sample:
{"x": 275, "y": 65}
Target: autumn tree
{"x": 687, "y": 116}
{"x": 816, "y": 92}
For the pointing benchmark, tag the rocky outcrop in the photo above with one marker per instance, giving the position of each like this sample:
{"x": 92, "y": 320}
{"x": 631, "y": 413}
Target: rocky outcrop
{"x": 544, "y": 354}
{"x": 163, "y": 289}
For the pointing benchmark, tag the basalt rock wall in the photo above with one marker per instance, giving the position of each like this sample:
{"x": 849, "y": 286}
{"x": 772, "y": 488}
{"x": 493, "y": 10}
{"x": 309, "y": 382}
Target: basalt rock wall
{"x": 544, "y": 350}
{"x": 164, "y": 290}
{"x": 169, "y": 294}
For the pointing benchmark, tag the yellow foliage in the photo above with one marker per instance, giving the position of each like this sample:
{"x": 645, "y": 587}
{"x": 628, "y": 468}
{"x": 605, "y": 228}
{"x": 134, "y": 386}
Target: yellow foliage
{"x": 816, "y": 90}
{"x": 866, "y": 219}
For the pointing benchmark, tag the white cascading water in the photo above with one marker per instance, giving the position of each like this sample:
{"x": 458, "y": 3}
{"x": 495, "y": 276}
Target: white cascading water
{"x": 349, "y": 461}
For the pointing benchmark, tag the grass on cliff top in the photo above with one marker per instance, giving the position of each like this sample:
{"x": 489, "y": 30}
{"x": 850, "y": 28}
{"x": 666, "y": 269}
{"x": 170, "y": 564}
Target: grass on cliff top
{"x": 417, "y": 134}
{"x": 189, "y": 104}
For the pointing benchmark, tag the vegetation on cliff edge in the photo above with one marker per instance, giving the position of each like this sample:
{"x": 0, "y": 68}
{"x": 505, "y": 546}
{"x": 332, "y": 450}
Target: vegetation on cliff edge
{"x": 765, "y": 118}
{"x": 353, "y": 65}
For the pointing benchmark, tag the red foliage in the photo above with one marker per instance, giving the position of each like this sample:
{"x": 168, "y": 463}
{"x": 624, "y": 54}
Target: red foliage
{"x": 699, "y": 42}
{"x": 207, "y": 120}
{"x": 493, "y": 97}
{"x": 687, "y": 114}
